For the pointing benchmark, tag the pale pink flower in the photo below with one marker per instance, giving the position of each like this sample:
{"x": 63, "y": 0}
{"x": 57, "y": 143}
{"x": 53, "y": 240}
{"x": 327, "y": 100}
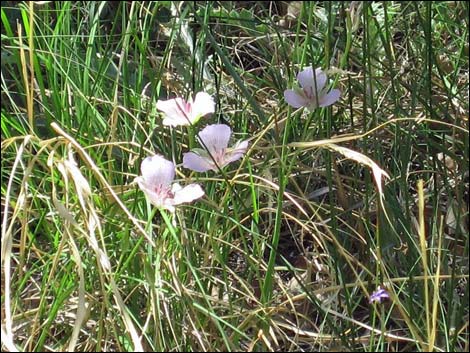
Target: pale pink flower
{"x": 156, "y": 182}
{"x": 312, "y": 92}
{"x": 179, "y": 112}
{"x": 215, "y": 139}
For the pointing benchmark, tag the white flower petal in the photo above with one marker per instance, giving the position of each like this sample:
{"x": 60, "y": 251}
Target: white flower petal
{"x": 312, "y": 85}
{"x": 154, "y": 197}
{"x": 320, "y": 79}
{"x": 215, "y": 137}
{"x": 295, "y": 99}
{"x": 175, "y": 187}
{"x": 237, "y": 152}
{"x": 168, "y": 205}
{"x": 305, "y": 77}
{"x": 203, "y": 104}
{"x": 175, "y": 121}
{"x": 197, "y": 163}
{"x": 156, "y": 170}
{"x": 187, "y": 194}
{"x": 142, "y": 184}
{"x": 330, "y": 98}
{"x": 176, "y": 111}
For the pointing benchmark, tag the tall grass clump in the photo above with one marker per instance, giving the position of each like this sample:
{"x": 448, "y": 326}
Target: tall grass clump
{"x": 343, "y": 226}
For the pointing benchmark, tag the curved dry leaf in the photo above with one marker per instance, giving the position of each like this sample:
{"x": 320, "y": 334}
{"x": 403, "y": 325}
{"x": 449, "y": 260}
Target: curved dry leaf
{"x": 360, "y": 158}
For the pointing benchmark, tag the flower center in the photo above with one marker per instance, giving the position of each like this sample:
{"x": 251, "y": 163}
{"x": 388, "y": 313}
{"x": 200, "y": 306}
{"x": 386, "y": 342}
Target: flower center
{"x": 219, "y": 156}
{"x": 309, "y": 94}
{"x": 187, "y": 108}
{"x": 163, "y": 192}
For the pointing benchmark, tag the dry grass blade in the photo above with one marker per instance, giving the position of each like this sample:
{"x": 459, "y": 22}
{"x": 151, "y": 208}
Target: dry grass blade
{"x": 360, "y": 158}
{"x": 7, "y": 243}
{"x": 102, "y": 179}
{"x": 83, "y": 191}
{"x": 81, "y": 308}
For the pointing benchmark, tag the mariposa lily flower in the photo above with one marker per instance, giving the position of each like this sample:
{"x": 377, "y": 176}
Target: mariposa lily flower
{"x": 180, "y": 112}
{"x": 312, "y": 92}
{"x": 156, "y": 182}
{"x": 215, "y": 153}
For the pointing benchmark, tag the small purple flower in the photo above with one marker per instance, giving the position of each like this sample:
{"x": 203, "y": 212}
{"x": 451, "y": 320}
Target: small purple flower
{"x": 157, "y": 183}
{"x": 215, "y": 138}
{"x": 378, "y": 295}
{"x": 312, "y": 92}
{"x": 179, "y": 112}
